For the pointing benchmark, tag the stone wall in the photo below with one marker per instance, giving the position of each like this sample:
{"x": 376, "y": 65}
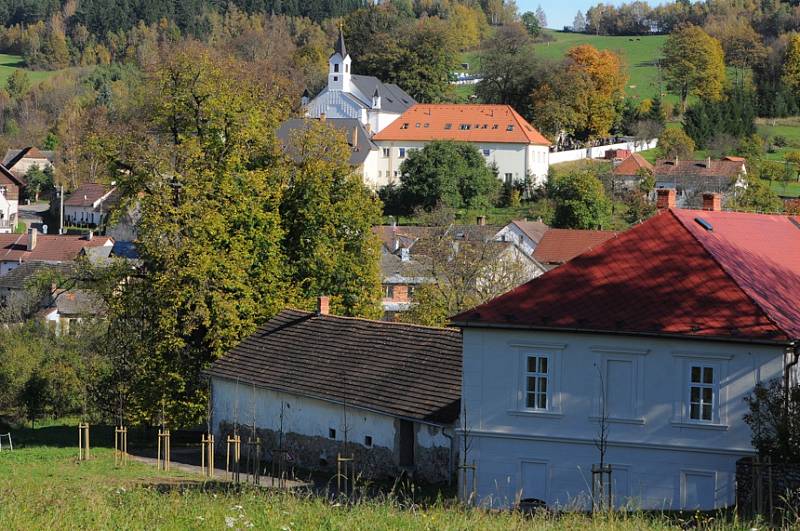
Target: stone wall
{"x": 318, "y": 454}
{"x": 759, "y": 483}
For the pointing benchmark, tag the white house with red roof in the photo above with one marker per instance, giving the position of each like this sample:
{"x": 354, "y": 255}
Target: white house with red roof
{"x": 507, "y": 141}
{"x": 658, "y": 333}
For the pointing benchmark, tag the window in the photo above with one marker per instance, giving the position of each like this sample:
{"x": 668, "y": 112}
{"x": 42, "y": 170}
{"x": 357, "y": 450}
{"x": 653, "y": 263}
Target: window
{"x": 536, "y": 378}
{"x": 426, "y": 125}
{"x": 386, "y": 153}
{"x": 396, "y": 173}
{"x": 336, "y": 78}
{"x": 346, "y": 68}
{"x": 368, "y": 441}
{"x": 464, "y": 127}
{"x": 702, "y": 388}
{"x": 331, "y": 433}
{"x": 411, "y": 292}
{"x": 404, "y": 126}
{"x": 417, "y": 125}
{"x": 510, "y": 127}
{"x": 401, "y": 152}
{"x": 495, "y": 126}
{"x": 487, "y": 152}
{"x": 448, "y": 126}
{"x": 388, "y": 291}
{"x": 335, "y": 67}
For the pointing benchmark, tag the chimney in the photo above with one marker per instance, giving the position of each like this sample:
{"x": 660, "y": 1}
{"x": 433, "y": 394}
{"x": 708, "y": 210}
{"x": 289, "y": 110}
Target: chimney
{"x": 481, "y": 220}
{"x": 665, "y": 198}
{"x": 712, "y": 201}
{"x": 323, "y": 305}
{"x": 32, "y": 234}
{"x": 708, "y": 162}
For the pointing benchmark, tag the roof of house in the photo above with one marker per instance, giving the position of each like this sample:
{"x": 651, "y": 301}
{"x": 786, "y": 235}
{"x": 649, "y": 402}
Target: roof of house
{"x": 397, "y": 369}
{"x": 19, "y": 181}
{"x": 394, "y": 269}
{"x": 562, "y": 245}
{"x": 669, "y": 276}
{"x": 534, "y": 230}
{"x": 352, "y": 129}
{"x": 633, "y": 165}
{"x": 19, "y": 277}
{"x": 734, "y": 159}
{"x": 404, "y": 235}
{"x": 79, "y": 302}
{"x": 462, "y": 122}
{"x": 49, "y": 247}
{"x": 86, "y": 194}
{"x": 697, "y": 168}
{"x": 15, "y": 155}
{"x": 393, "y": 98}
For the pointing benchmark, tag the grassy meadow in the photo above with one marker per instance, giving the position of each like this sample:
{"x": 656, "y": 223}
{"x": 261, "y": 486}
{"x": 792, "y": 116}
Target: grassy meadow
{"x": 45, "y": 487}
{"x": 9, "y": 63}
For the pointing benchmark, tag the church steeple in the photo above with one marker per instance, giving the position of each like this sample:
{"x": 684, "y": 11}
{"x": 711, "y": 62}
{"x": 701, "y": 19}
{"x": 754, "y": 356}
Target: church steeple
{"x": 339, "y": 66}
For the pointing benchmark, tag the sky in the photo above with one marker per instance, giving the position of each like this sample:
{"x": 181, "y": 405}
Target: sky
{"x": 561, "y": 13}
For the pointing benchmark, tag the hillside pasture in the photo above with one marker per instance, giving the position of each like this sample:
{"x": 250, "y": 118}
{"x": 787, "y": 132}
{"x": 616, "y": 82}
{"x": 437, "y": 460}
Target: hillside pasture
{"x": 9, "y": 63}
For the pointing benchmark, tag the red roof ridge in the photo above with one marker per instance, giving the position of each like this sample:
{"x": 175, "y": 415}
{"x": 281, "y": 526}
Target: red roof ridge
{"x": 727, "y": 273}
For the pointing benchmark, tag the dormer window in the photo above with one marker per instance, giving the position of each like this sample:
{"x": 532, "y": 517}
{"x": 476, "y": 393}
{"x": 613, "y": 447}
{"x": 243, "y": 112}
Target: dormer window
{"x": 404, "y": 126}
{"x": 510, "y": 128}
{"x": 464, "y": 127}
{"x": 448, "y": 126}
{"x": 494, "y": 126}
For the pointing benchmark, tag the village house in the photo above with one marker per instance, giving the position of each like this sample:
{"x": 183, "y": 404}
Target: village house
{"x": 631, "y": 169}
{"x": 526, "y": 234}
{"x": 16, "y": 249}
{"x": 364, "y": 98}
{"x": 559, "y": 246}
{"x": 364, "y": 153}
{"x": 321, "y": 385}
{"x": 401, "y": 275}
{"x": 89, "y": 205}
{"x": 72, "y": 309}
{"x": 19, "y": 161}
{"x": 507, "y": 141}
{"x": 10, "y": 187}
{"x": 692, "y": 178}
{"x": 658, "y": 334}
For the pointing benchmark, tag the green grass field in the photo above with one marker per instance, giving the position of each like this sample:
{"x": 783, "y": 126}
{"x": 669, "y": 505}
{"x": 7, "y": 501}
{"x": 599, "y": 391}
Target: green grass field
{"x": 47, "y": 488}
{"x": 639, "y": 53}
{"x": 9, "y": 63}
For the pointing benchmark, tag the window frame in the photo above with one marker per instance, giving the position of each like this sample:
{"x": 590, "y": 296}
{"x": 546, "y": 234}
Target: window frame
{"x": 387, "y": 152}
{"x": 702, "y": 385}
{"x": 517, "y": 395}
{"x": 401, "y": 153}
{"x": 682, "y": 362}
{"x": 538, "y": 375}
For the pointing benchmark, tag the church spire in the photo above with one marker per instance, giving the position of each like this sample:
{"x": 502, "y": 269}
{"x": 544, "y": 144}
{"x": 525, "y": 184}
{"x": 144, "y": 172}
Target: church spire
{"x": 340, "y": 48}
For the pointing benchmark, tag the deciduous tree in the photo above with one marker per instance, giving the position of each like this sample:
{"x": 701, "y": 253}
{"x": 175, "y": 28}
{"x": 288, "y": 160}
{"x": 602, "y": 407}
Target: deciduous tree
{"x": 580, "y": 201}
{"x": 693, "y": 64}
{"x": 675, "y": 143}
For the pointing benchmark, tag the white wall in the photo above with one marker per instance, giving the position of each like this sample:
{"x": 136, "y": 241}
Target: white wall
{"x": 307, "y": 416}
{"x": 599, "y": 152}
{"x": 659, "y": 454}
{"x": 25, "y": 164}
{"x": 512, "y": 233}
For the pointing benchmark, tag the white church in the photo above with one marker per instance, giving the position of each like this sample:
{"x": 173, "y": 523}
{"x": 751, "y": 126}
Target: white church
{"x": 365, "y": 98}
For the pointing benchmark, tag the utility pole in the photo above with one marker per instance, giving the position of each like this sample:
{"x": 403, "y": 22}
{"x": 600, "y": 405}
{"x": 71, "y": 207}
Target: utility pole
{"x": 61, "y": 211}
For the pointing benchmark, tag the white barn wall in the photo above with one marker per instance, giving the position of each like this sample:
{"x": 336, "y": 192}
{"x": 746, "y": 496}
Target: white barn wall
{"x": 654, "y": 443}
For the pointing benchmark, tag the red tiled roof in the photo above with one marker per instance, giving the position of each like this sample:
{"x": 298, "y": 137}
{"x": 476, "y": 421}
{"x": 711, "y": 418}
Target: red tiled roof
{"x": 462, "y": 122}
{"x": 49, "y": 247}
{"x": 670, "y": 276}
{"x": 632, "y": 165}
{"x": 698, "y": 168}
{"x": 87, "y": 194}
{"x": 562, "y": 245}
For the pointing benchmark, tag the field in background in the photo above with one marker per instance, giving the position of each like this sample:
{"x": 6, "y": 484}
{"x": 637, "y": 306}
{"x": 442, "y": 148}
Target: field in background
{"x": 9, "y": 63}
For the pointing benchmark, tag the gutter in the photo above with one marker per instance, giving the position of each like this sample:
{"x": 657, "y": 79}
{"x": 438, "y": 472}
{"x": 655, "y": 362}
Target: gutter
{"x": 480, "y": 324}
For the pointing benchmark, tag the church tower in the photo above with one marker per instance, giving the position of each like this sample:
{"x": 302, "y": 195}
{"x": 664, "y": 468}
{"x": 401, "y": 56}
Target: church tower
{"x": 339, "y": 66}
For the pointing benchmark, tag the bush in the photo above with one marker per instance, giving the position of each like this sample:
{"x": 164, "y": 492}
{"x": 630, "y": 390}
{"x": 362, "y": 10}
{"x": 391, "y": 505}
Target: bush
{"x": 780, "y": 141}
{"x": 775, "y": 421}
{"x": 580, "y": 201}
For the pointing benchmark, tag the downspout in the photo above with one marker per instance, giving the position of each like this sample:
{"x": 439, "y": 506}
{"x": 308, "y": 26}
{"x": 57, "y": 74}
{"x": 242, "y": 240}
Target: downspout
{"x": 794, "y": 348}
{"x": 449, "y": 455}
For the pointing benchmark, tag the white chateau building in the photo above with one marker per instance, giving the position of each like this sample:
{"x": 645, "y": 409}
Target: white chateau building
{"x": 365, "y": 98}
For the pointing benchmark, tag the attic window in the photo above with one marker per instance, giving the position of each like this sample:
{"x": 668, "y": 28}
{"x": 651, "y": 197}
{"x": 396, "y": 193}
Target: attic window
{"x": 510, "y": 128}
{"x": 448, "y": 126}
{"x": 426, "y": 125}
{"x": 705, "y": 224}
{"x": 485, "y": 126}
{"x": 404, "y": 126}
{"x": 417, "y": 125}
{"x": 494, "y": 126}
{"x": 464, "y": 127}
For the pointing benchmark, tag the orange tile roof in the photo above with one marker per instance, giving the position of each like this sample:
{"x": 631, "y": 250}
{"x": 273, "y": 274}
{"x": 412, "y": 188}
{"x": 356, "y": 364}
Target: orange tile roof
{"x": 49, "y": 247}
{"x": 632, "y": 165}
{"x": 463, "y": 122}
{"x": 558, "y": 246}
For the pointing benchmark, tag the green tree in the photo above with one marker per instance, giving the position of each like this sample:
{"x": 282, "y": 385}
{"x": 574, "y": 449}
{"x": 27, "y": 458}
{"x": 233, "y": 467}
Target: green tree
{"x": 675, "y": 143}
{"x": 531, "y": 23}
{"x": 693, "y": 64}
{"x": 774, "y": 420}
{"x": 791, "y": 64}
{"x": 38, "y": 181}
{"x": 580, "y": 201}
{"x": 18, "y": 83}
{"x": 453, "y": 174}
{"x": 757, "y": 196}
{"x": 327, "y": 216}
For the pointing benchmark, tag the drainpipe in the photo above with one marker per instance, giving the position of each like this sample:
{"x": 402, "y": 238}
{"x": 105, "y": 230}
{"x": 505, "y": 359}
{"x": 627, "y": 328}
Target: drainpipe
{"x": 794, "y": 348}
{"x": 449, "y": 455}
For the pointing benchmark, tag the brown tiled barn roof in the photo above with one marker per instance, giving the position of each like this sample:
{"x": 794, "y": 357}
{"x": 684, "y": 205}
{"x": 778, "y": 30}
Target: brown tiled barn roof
{"x": 401, "y": 370}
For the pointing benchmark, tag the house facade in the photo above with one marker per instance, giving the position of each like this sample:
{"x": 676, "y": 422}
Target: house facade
{"x": 88, "y": 205}
{"x": 507, "y": 141}
{"x": 10, "y": 187}
{"x": 364, "y": 98}
{"x": 19, "y": 161}
{"x": 526, "y": 234}
{"x": 656, "y": 335}
{"x": 317, "y": 386}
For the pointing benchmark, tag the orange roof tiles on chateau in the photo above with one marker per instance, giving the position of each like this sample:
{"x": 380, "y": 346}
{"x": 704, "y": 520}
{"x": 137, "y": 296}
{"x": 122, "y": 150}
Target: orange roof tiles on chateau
{"x": 463, "y": 122}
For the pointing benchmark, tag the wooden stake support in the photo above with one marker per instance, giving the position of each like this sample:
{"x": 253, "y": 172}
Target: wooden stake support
{"x": 344, "y": 473}
{"x": 207, "y": 455}
{"x": 163, "y": 446}
{"x": 279, "y": 460}
{"x": 254, "y": 459}
{"x": 120, "y": 445}
{"x": 469, "y": 498}
{"x": 83, "y": 441}
{"x": 235, "y": 443}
